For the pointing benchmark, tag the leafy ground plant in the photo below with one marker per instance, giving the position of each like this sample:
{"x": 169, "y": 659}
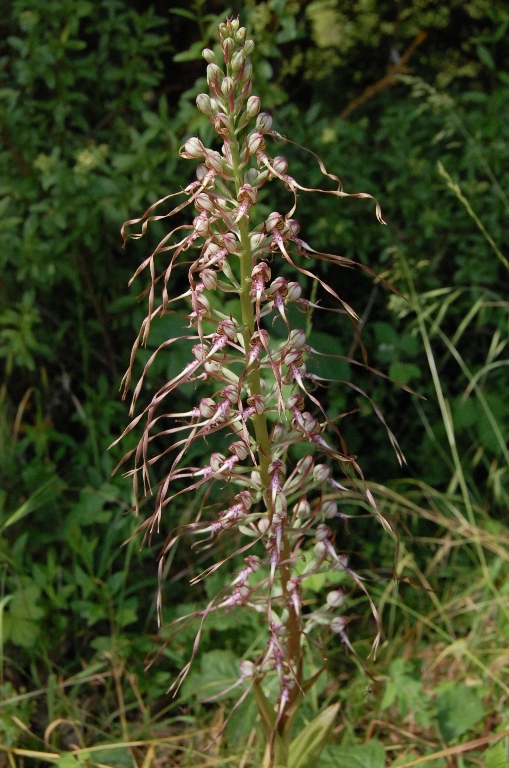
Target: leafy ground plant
{"x": 271, "y": 489}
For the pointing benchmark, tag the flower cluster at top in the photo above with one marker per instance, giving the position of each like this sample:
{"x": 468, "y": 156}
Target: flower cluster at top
{"x": 261, "y": 399}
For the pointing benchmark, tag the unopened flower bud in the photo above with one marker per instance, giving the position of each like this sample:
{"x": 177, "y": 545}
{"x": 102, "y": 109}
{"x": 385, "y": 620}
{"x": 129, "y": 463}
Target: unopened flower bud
{"x": 240, "y": 36}
{"x": 211, "y": 250}
{"x": 279, "y": 432}
{"x": 256, "y": 143}
{"x": 280, "y": 164}
{"x": 321, "y": 472}
{"x": 230, "y": 393}
{"x": 230, "y": 242}
{"x": 295, "y": 401}
{"x": 192, "y": 148}
{"x": 258, "y": 402}
{"x": 302, "y": 508}
{"x": 253, "y": 562}
{"x": 237, "y": 61}
{"x": 200, "y": 352}
{"x": 240, "y": 449}
{"x": 207, "y": 407}
{"x": 203, "y": 302}
{"x": 246, "y": 500}
{"x": 320, "y": 550}
{"x": 248, "y": 70}
{"x": 246, "y": 669}
{"x": 227, "y": 86}
{"x": 201, "y": 226}
{"x": 329, "y": 509}
{"x": 229, "y": 328}
{"x": 335, "y": 599}
{"x": 228, "y": 48}
{"x": 294, "y": 226}
{"x": 310, "y": 423}
{"x": 263, "y": 122}
{"x": 214, "y": 73}
{"x": 204, "y": 105}
{"x": 273, "y": 220}
{"x": 209, "y": 56}
{"x": 201, "y": 171}
{"x": 214, "y": 78}
{"x": 304, "y": 465}
{"x": 214, "y": 160}
{"x": 297, "y": 338}
{"x": 338, "y": 624}
{"x": 202, "y": 202}
{"x": 253, "y": 107}
{"x": 322, "y": 532}
{"x": 255, "y": 479}
{"x": 256, "y": 240}
{"x": 248, "y": 47}
{"x": 213, "y": 366}
{"x": 263, "y": 525}
{"x": 216, "y": 461}
{"x": 294, "y": 291}
{"x": 209, "y": 279}
{"x": 251, "y": 176}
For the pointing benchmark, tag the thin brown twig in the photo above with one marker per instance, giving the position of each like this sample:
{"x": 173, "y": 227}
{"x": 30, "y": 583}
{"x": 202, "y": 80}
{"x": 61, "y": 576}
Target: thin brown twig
{"x": 458, "y": 749}
{"x": 395, "y": 728}
{"x": 387, "y": 80}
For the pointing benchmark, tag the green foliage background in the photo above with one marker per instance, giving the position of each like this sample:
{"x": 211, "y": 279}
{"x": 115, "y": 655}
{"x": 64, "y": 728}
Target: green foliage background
{"x": 95, "y": 100}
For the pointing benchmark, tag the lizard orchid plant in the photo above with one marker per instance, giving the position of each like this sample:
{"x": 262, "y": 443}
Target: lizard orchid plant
{"x": 272, "y": 489}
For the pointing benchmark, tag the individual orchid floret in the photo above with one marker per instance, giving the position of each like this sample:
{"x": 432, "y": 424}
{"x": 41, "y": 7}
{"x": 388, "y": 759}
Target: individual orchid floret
{"x": 252, "y": 106}
{"x": 192, "y": 149}
{"x": 247, "y": 197}
{"x": 263, "y": 122}
{"x": 209, "y": 56}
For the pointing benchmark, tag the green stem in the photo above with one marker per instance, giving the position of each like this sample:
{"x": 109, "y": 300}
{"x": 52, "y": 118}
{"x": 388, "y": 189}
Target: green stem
{"x": 263, "y": 442}
{"x": 248, "y": 320}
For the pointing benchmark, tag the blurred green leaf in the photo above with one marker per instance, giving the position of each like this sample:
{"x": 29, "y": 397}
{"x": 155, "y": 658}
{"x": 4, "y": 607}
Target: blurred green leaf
{"x": 458, "y": 709}
{"x": 72, "y": 760}
{"x": 308, "y": 744}
{"x": 403, "y": 373}
{"x": 368, "y": 755}
{"x": 21, "y": 619}
{"x": 496, "y": 756}
{"x": 486, "y": 57}
{"x": 405, "y": 689}
{"x": 219, "y": 670}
